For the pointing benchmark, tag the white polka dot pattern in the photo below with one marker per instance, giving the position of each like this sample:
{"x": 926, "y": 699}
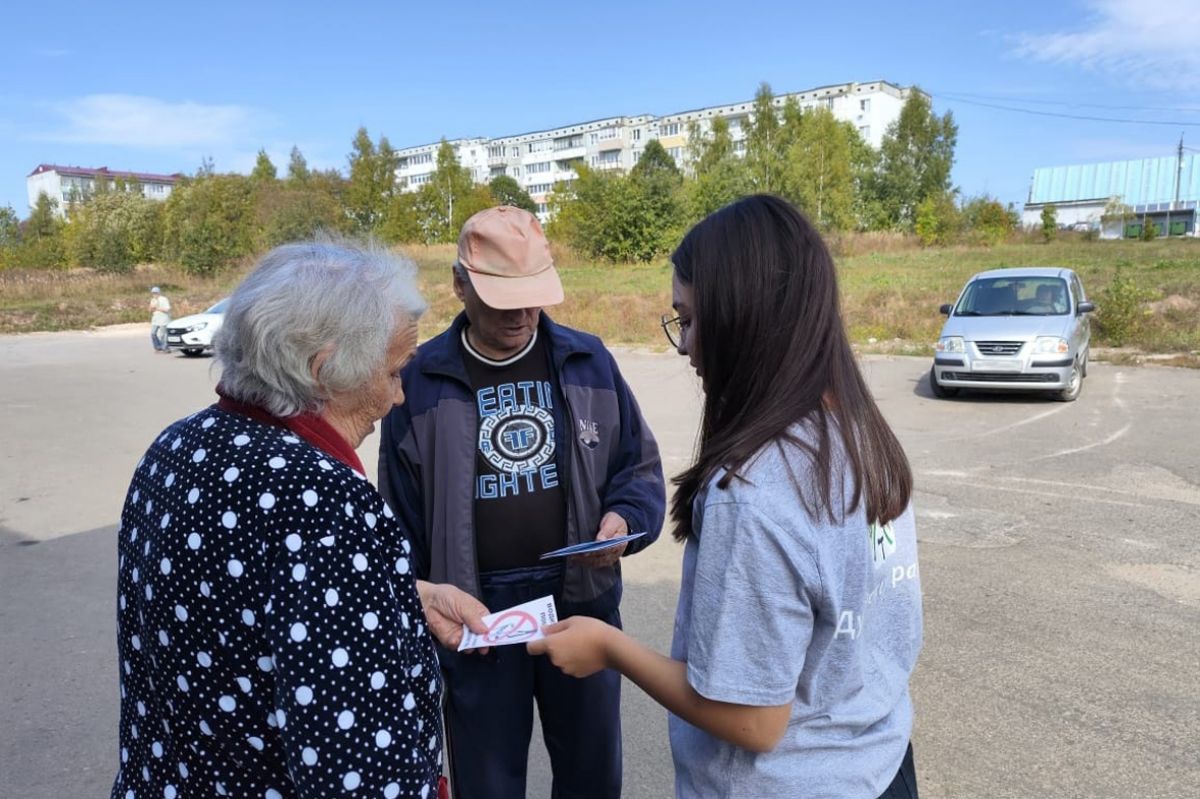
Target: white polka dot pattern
{"x": 263, "y": 625}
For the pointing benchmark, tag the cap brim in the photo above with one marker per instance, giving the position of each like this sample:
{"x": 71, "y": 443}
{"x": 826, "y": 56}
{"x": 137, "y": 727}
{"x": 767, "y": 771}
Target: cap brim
{"x": 506, "y": 293}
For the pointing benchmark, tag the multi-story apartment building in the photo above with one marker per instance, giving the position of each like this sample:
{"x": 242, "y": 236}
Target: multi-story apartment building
{"x": 71, "y": 184}
{"x": 540, "y": 159}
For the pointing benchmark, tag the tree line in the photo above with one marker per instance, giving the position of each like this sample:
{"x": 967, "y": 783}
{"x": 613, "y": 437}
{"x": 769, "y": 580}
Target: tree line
{"x": 823, "y": 165}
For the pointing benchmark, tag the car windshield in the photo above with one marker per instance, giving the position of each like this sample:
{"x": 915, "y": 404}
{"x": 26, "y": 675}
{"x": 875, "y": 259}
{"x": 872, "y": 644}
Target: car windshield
{"x": 219, "y": 307}
{"x": 1014, "y": 296}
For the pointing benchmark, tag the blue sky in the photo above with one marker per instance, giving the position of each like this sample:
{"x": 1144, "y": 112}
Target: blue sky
{"x": 156, "y": 87}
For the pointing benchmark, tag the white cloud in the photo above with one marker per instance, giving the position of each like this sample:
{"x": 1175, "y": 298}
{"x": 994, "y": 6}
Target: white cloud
{"x": 147, "y": 122}
{"x": 1128, "y": 39}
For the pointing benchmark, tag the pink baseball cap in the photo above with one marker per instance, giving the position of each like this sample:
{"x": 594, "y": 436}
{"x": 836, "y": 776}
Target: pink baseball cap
{"x": 508, "y": 258}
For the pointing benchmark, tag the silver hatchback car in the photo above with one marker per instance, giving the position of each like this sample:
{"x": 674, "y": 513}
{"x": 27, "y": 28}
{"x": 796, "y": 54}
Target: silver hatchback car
{"x": 1021, "y": 329}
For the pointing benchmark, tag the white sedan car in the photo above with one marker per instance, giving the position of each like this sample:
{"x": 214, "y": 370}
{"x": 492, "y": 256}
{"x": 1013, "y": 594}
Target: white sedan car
{"x": 194, "y": 334}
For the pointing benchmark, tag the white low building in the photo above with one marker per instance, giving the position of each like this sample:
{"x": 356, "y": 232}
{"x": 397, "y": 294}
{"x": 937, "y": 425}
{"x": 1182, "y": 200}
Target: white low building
{"x": 540, "y": 159}
{"x": 1118, "y": 198}
{"x": 73, "y": 184}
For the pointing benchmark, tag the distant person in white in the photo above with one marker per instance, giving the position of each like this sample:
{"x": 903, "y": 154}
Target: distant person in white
{"x": 799, "y": 616}
{"x": 160, "y": 317}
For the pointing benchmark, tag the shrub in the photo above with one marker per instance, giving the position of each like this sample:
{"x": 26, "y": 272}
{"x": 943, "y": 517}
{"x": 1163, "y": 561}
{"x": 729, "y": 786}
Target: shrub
{"x": 938, "y": 220}
{"x": 1121, "y": 311}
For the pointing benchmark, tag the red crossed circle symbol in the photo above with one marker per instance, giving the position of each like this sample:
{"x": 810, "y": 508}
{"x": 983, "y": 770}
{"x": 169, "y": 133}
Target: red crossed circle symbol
{"x": 510, "y": 625}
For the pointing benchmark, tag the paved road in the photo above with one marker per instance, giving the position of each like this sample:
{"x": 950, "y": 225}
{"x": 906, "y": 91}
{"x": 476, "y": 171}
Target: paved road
{"x": 1058, "y": 542}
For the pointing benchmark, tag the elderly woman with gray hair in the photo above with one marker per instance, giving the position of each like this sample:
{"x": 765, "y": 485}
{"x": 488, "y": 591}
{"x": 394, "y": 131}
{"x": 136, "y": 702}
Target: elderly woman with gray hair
{"x": 273, "y": 640}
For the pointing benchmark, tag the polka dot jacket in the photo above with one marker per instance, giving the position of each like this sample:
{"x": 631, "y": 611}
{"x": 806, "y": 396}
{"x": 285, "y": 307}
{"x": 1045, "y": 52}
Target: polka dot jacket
{"x": 272, "y": 643}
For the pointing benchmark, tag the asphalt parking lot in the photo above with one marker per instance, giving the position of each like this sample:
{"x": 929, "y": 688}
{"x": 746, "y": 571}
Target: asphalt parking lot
{"x": 1060, "y": 560}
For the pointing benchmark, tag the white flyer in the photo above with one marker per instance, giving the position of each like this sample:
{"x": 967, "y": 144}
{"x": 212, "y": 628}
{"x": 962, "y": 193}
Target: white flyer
{"x": 517, "y": 625}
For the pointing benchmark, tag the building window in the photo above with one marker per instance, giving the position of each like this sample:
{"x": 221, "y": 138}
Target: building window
{"x": 540, "y": 166}
{"x": 676, "y": 153}
{"x": 865, "y": 132}
{"x": 864, "y": 104}
{"x": 543, "y": 208}
{"x": 637, "y": 134}
{"x": 670, "y": 129}
{"x": 516, "y": 152}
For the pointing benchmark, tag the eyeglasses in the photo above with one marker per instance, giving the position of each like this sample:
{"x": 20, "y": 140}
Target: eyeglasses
{"x": 673, "y": 327}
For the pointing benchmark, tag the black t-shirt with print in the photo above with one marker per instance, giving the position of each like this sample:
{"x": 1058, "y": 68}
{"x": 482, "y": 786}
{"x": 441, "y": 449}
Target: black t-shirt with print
{"x": 520, "y": 508}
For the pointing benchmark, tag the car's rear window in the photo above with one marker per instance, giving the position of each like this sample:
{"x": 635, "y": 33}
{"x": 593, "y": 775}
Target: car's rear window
{"x": 1014, "y": 296}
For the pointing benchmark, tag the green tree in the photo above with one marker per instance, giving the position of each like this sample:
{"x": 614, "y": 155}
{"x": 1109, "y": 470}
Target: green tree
{"x": 820, "y": 175}
{"x": 915, "y": 160}
{"x": 1149, "y": 230}
{"x": 720, "y": 176}
{"x": 449, "y": 198}
{"x": 987, "y": 220}
{"x": 10, "y": 236}
{"x": 264, "y": 170}
{"x": 938, "y": 220}
{"x": 655, "y": 191}
{"x": 764, "y": 153}
{"x": 1116, "y": 214}
{"x": 297, "y": 166}
{"x": 294, "y": 212}
{"x": 114, "y": 231}
{"x": 507, "y": 191}
{"x": 372, "y": 181}
{"x": 616, "y": 217}
{"x": 403, "y": 223}
{"x": 1049, "y": 223}
{"x": 209, "y": 223}
{"x": 42, "y": 243}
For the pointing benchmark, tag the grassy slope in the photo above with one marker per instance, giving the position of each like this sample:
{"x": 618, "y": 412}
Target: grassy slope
{"x": 891, "y": 290}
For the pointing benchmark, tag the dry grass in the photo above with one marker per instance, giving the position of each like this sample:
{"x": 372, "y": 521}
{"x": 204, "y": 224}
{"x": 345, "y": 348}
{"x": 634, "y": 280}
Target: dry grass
{"x": 621, "y": 304}
{"x": 33, "y": 300}
{"x": 891, "y": 290}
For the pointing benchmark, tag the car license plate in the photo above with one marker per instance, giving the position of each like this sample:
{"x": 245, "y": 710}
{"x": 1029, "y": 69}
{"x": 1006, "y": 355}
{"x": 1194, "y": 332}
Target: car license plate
{"x": 996, "y": 365}
{"x": 174, "y": 339}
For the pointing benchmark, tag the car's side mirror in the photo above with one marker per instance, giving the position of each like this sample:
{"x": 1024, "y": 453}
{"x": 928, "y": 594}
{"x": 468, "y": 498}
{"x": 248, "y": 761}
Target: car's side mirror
{"x": 1085, "y": 307}
{"x": 946, "y": 309}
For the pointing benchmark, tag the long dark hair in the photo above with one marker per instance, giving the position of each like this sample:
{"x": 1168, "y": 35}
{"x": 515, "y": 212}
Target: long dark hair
{"x": 773, "y": 351}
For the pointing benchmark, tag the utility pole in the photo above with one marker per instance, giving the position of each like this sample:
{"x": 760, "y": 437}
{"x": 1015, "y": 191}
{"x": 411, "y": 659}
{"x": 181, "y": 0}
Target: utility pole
{"x": 1178, "y": 173}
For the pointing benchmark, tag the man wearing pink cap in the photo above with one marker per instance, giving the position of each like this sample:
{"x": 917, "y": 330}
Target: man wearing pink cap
{"x": 519, "y": 436}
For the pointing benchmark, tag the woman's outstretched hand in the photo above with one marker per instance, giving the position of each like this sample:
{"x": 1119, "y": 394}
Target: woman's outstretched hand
{"x": 580, "y": 646}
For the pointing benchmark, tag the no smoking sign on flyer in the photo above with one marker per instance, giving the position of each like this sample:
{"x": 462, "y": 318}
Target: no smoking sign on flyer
{"x": 517, "y": 625}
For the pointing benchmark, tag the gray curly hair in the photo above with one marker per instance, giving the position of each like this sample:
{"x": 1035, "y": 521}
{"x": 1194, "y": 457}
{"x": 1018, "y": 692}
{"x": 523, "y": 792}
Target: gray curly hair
{"x": 302, "y": 298}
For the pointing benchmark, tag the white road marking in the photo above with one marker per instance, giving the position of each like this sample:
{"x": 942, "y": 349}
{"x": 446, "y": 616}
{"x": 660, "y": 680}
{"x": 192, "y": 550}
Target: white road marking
{"x": 1090, "y": 487}
{"x": 1102, "y": 443}
{"x": 988, "y": 486}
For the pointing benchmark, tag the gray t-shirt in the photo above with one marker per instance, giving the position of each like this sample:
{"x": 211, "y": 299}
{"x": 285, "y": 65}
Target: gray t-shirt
{"x": 777, "y": 608}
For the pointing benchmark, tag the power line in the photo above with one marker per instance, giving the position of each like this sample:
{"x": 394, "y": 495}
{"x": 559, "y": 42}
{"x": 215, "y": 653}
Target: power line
{"x": 1086, "y": 118}
{"x": 1069, "y": 104}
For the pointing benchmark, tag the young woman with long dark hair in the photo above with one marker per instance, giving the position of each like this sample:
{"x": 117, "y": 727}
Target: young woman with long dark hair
{"x": 799, "y": 618}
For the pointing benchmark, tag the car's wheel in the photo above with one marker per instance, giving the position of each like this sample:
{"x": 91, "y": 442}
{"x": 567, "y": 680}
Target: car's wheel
{"x": 193, "y": 352}
{"x": 940, "y": 391}
{"x": 1074, "y": 386}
